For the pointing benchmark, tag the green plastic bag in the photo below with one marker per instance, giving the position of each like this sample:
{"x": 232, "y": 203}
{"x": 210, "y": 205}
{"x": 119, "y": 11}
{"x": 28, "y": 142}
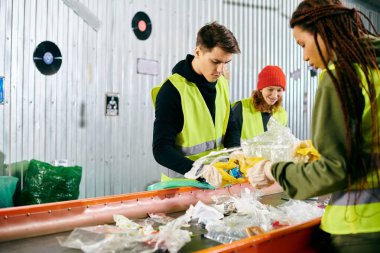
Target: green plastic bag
{"x": 7, "y": 189}
{"x": 44, "y": 183}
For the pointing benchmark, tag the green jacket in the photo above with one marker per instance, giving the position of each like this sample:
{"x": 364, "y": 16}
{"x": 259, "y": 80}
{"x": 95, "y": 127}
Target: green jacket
{"x": 328, "y": 175}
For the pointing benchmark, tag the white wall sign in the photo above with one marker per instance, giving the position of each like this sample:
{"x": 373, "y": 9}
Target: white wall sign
{"x": 148, "y": 67}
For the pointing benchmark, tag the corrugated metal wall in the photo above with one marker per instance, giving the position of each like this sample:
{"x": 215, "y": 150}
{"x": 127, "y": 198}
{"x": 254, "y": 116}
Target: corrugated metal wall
{"x": 63, "y": 116}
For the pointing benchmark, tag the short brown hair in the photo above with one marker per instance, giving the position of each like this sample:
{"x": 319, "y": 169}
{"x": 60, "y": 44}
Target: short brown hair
{"x": 213, "y": 34}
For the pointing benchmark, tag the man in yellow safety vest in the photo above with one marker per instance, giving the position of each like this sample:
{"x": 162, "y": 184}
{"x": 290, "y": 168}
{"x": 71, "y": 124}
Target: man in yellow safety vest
{"x": 192, "y": 106}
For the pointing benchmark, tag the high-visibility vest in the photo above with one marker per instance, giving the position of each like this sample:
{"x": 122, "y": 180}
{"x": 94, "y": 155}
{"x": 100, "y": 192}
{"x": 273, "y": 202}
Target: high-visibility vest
{"x": 359, "y": 210}
{"x": 199, "y": 135}
{"x": 253, "y": 121}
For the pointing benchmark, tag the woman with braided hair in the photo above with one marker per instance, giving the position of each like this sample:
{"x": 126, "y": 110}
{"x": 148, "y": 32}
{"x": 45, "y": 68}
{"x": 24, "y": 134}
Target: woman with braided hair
{"x": 345, "y": 126}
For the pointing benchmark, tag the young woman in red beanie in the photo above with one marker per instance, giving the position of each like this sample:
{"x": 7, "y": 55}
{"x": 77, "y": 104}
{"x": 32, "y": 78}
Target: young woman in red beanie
{"x": 252, "y": 114}
{"x": 345, "y": 126}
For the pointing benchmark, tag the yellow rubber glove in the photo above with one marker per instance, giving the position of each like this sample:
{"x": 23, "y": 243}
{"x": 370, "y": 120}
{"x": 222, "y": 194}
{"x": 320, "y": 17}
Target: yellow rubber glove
{"x": 304, "y": 151}
{"x": 260, "y": 174}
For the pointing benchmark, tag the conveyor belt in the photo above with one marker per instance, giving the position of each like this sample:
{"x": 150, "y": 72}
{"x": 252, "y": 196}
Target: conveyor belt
{"x": 38, "y": 220}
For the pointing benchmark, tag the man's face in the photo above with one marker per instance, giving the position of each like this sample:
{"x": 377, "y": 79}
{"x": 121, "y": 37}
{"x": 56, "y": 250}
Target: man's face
{"x": 210, "y": 64}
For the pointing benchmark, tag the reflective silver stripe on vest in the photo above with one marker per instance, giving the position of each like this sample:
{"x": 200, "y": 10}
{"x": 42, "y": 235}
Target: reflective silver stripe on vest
{"x": 197, "y": 149}
{"x": 366, "y": 196}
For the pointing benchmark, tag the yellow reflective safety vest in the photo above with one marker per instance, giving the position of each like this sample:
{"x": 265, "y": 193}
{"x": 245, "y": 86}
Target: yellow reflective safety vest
{"x": 253, "y": 121}
{"x": 359, "y": 210}
{"x": 199, "y": 135}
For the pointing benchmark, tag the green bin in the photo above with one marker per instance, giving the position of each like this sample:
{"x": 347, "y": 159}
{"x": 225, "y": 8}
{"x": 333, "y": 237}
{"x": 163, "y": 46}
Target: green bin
{"x": 7, "y": 189}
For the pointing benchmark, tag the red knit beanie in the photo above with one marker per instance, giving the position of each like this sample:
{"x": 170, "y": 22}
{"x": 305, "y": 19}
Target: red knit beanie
{"x": 271, "y": 76}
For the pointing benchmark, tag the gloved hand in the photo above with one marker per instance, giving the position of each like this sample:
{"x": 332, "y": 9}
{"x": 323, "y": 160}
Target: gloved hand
{"x": 304, "y": 151}
{"x": 212, "y": 176}
{"x": 260, "y": 174}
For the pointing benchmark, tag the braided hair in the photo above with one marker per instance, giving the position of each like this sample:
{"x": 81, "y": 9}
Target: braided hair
{"x": 348, "y": 47}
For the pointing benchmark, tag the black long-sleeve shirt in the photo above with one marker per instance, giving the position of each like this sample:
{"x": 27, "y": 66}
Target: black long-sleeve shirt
{"x": 169, "y": 118}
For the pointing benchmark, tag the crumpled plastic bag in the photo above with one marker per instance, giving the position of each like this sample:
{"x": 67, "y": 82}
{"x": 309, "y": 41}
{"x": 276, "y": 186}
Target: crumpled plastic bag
{"x": 204, "y": 213}
{"x": 128, "y": 236}
{"x": 278, "y": 144}
{"x": 231, "y": 164}
{"x": 200, "y": 165}
{"x": 251, "y": 213}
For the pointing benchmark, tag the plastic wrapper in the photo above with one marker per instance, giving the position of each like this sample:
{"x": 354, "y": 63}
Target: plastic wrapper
{"x": 251, "y": 213}
{"x": 160, "y": 218}
{"x": 204, "y": 213}
{"x": 102, "y": 239}
{"x": 129, "y": 236}
{"x": 297, "y": 211}
{"x": 246, "y": 214}
{"x": 200, "y": 165}
{"x": 231, "y": 164}
{"x": 171, "y": 237}
{"x": 276, "y": 144}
